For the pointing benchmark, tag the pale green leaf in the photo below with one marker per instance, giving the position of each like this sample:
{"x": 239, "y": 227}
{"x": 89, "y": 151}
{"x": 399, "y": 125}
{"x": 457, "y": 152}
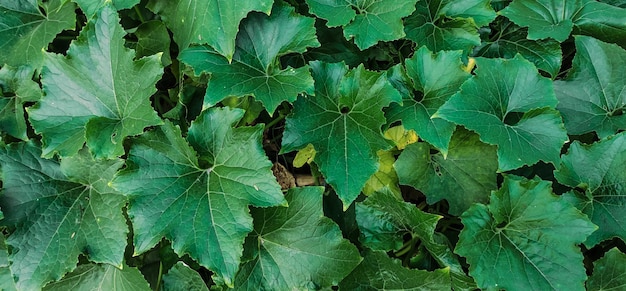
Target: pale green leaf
{"x": 60, "y": 210}
{"x": 101, "y": 277}
{"x": 91, "y": 7}
{"x": 204, "y": 183}
{"x": 525, "y": 239}
{"x": 609, "y": 272}
{"x": 182, "y": 278}
{"x": 16, "y": 88}
{"x": 255, "y": 68}
{"x": 96, "y": 94}
{"x": 296, "y": 248}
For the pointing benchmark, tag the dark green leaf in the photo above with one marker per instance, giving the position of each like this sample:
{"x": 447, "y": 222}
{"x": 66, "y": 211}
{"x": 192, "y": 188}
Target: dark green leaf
{"x": 257, "y": 71}
{"x": 342, "y": 121}
{"x": 525, "y": 239}
{"x": 7, "y": 282}
{"x": 296, "y": 248}
{"x": 182, "y": 278}
{"x": 510, "y": 105}
{"x": 153, "y": 38}
{"x": 101, "y": 277}
{"x": 97, "y": 93}
{"x": 205, "y": 187}
{"x": 609, "y": 272}
{"x": 16, "y": 88}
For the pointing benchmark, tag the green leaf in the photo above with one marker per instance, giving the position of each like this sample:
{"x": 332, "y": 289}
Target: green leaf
{"x": 153, "y": 38}
{"x": 448, "y": 24}
{"x": 60, "y": 210}
{"x": 557, "y": 18}
{"x": 510, "y": 105}
{"x": 598, "y": 170}
{"x": 463, "y": 178}
{"x": 7, "y": 282}
{"x": 296, "y": 248}
{"x": 592, "y": 96}
{"x": 434, "y": 77}
{"x": 182, "y": 278}
{"x": 212, "y": 22}
{"x": 379, "y": 272}
{"x": 609, "y": 272}
{"x": 342, "y": 121}
{"x": 91, "y": 7}
{"x": 206, "y": 187}
{"x": 257, "y": 71}
{"x": 16, "y": 88}
{"x": 510, "y": 40}
{"x": 28, "y": 26}
{"x": 101, "y": 277}
{"x": 97, "y": 93}
{"x": 385, "y": 177}
{"x": 525, "y": 239}
{"x": 368, "y": 22}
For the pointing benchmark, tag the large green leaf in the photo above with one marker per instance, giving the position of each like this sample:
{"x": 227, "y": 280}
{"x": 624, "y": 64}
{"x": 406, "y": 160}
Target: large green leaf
{"x": 97, "y": 93}
{"x": 508, "y": 39}
{"x": 182, "y": 278}
{"x": 205, "y": 187}
{"x": 255, "y": 68}
{"x": 296, "y": 248}
{"x": 7, "y": 281}
{"x": 28, "y": 26}
{"x": 16, "y": 88}
{"x": 525, "y": 239}
{"x": 212, "y": 22}
{"x": 367, "y": 21}
{"x": 557, "y": 18}
{"x": 463, "y": 178}
{"x": 599, "y": 171}
{"x": 434, "y": 78}
{"x": 60, "y": 210}
{"x": 101, "y": 277}
{"x": 510, "y": 105}
{"x": 448, "y": 24}
{"x": 379, "y": 272}
{"x": 609, "y": 272}
{"x": 342, "y": 121}
{"x": 91, "y": 7}
{"x": 593, "y": 96}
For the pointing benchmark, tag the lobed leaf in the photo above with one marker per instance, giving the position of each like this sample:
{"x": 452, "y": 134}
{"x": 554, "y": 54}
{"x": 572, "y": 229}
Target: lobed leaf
{"x": 101, "y": 277}
{"x": 16, "y": 88}
{"x": 182, "y": 278}
{"x": 609, "y": 272}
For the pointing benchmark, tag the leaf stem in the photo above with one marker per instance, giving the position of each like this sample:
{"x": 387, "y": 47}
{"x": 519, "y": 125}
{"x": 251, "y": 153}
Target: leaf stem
{"x": 275, "y": 121}
{"x": 159, "y": 278}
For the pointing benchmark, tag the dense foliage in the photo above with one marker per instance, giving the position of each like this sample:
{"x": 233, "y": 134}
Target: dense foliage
{"x": 312, "y": 144}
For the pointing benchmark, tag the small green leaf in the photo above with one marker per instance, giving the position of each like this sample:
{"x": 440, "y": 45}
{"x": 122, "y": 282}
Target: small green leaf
{"x": 153, "y": 38}
{"x": 599, "y": 171}
{"x": 379, "y": 272}
{"x": 16, "y": 88}
{"x": 204, "y": 183}
{"x": 342, "y": 121}
{"x": 463, "y": 178}
{"x": 182, "y": 278}
{"x": 212, "y": 22}
{"x": 525, "y": 239}
{"x": 368, "y": 22}
{"x": 28, "y": 26}
{"x": 97, "y": 93}
{"x": 592, "y": 97}
{"x": 510, "y": 105}
{"x": 91, "y": 7}
{"x": 296, "y": 248}
{"x": 101, "y": 277}
{"x": 62, "y": 210}
{"x": 256, "y": 71}
{"x": 609, "y": 272}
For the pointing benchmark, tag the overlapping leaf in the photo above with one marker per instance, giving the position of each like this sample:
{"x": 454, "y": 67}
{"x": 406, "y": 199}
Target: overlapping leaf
{"x": 60, "y": 210}
{"x": 196, "y": 192}
{"x": 153, "y": 38}
{"x": 368, "y": 22}
{"x": 212, "y": 22}
{"x": 7, "y": 281}
{"x": 28, "y": 26}
{"x": 91, "y": 7}
{"x": 525, "y": 239}
{"x": 609, "y": 272}
{"x": 593, "y": 97}
{"x": 464, "y": 177}
{"x": 16, "y": 88}
{"x": 255, "y": 68}
{"x": 296, "y": 248}
{"x": 379, "y": 272}
{"x": 97, "y": 93}
{"x": 510, "y": 105}
{"x": 342, "y": 121}
{"x": 599, "y": 170}
{"x": 101, "y": 277}
{"x": 434, "y": 78}
{"x": 448, "y": 24}
{"x": 182, "y": 278}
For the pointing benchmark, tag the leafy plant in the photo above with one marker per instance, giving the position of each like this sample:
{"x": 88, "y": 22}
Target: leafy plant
{"x": 312, "y": 145}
